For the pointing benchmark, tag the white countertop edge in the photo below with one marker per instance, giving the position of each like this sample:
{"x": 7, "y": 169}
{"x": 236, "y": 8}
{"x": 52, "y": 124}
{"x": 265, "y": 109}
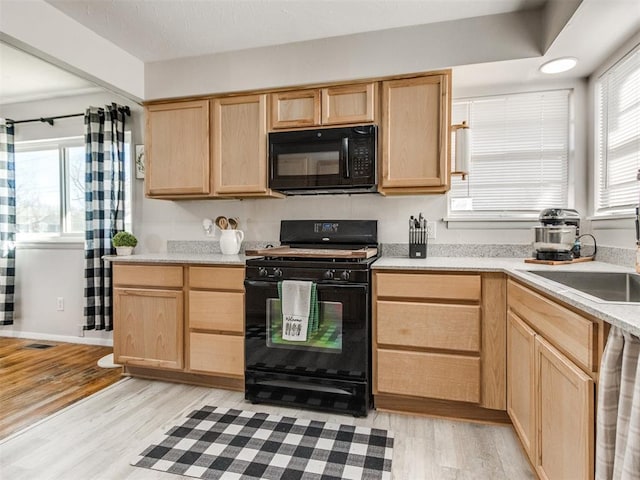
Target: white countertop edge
{"x": 172, "y": 258}
{"x": 625, "y": 316}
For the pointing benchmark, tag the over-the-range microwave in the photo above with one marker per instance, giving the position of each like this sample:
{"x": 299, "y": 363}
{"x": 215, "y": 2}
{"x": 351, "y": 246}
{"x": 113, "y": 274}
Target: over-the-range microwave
{"x": 328, "y": 160}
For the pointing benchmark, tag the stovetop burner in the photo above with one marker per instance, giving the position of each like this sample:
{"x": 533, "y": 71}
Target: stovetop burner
{"x": 323, "y": 250}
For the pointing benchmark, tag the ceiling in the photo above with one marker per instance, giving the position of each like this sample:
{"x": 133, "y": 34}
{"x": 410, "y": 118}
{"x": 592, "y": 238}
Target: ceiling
{"x": 159, "y": 30}
{"x": 25, "y": 78}
{"x": 168, "y": 29}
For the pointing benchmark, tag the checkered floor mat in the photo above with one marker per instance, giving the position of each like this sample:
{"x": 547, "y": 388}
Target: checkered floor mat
{"x": 228, "y": 444}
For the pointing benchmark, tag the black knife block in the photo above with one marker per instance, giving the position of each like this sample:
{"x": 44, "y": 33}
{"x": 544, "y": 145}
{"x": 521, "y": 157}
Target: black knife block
{"x": 417, "y": 243}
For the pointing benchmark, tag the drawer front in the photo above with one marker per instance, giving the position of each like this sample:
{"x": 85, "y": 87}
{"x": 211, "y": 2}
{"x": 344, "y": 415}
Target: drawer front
{"x": 219, "y": 354}
{"x": 223, "y": 311}
{"x": 147, "y": 275}
{"x": 428, "y": 286}
{"x": 428, "y": 325}
{"x": 217, "y": 278}
{"x": 566, "y": 330}
{"x": 431, "y": 375}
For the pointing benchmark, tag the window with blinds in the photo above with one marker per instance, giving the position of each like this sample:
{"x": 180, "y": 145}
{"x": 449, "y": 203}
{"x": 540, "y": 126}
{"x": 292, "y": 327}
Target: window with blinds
{"x": 519, "y": 155}
{"x": 618, "y": 137}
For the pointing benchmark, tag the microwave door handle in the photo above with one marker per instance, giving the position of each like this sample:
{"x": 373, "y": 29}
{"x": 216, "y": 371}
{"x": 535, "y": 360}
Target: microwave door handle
{"x": 345, "y": 156}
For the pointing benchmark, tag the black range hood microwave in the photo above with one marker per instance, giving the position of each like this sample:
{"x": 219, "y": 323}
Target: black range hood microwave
{"x": 328, "y": 160}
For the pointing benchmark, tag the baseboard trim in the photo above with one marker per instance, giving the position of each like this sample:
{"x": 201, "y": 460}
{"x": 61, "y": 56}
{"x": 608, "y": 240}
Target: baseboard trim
{"x": 439, "y": 408}
{"x": 103, "y": 342}
{"x": 226, "y": 383}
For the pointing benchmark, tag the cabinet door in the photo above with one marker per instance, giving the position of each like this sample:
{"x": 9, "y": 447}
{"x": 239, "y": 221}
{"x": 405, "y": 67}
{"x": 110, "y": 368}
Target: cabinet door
{"x": 148, "y": 326}
{"x": 177, "y": 149}
{"x": 520, "y": 381}
{"x": 348, "y": 104}
{"x": 300, "y": 108}
{"x": 565, "y": 417}
{"x": 240, "y": 144}
{"x": 415, "y": 126}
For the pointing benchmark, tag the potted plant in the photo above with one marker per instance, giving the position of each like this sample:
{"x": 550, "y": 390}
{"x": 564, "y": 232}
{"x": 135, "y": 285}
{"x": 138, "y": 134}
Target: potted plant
{"x": 124, "y": 242}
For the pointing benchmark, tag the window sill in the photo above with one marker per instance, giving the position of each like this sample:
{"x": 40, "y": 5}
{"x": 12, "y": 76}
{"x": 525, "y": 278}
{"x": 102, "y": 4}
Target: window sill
{"x": 51, "y": 244}
{"x": 612, "y": 222}
{"x": 490, "y": 223}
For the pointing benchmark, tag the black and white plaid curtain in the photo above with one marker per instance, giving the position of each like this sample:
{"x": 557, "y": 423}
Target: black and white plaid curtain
{"x": 7, "y": 223}
{"x": 104, "y": 205}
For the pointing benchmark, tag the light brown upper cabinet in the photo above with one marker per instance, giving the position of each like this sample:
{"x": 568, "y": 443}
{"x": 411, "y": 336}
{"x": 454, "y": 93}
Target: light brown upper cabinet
{"x": 344, "y": 104}
{"x": 416, "y": 115}
{"x": 177, "y": 149}
{"x": 239, "y": 145}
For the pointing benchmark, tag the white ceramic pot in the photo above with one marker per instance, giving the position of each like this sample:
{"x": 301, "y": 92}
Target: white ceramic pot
{"x": 230, "y": 241}
{"x": 124, "y": 250}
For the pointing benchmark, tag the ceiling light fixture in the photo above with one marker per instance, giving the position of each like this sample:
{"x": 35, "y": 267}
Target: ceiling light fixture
{"x": 559, "y": 65}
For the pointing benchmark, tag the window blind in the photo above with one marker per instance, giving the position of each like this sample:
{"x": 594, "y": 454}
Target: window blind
{"x": 618, "y": 133}
{"x": 519, "y": 155}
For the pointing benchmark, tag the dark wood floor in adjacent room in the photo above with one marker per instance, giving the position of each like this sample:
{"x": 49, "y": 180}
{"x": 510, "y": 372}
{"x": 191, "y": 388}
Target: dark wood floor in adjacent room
{"x": 35, "y": 383}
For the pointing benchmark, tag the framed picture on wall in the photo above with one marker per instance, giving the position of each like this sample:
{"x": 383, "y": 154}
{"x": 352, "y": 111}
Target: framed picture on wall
{"x": 139, "y": 161}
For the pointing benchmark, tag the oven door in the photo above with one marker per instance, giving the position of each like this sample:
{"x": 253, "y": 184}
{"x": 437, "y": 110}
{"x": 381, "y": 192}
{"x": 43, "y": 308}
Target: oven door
{"x": 339, "y": 348}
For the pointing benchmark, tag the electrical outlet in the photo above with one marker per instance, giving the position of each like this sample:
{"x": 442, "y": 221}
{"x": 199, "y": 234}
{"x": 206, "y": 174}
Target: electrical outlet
{"x": 431, "y": 230}
{"x": 60, "y": 304}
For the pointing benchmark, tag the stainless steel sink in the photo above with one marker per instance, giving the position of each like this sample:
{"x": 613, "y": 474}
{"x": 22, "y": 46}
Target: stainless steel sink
{"x": 606, "y": 286}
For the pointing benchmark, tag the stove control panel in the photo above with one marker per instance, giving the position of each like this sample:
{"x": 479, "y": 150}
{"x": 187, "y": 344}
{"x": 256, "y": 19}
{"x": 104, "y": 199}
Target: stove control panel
{"x": 329, "y": 275}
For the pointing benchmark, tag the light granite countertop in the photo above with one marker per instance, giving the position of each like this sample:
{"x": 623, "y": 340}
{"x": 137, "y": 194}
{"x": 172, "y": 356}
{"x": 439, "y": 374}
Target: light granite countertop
{"x": 185, "y": 258}
{"x": 626, "y": 316}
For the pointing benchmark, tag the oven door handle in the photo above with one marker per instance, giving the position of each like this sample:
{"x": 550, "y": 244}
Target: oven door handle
{"x": 259, "y": 283}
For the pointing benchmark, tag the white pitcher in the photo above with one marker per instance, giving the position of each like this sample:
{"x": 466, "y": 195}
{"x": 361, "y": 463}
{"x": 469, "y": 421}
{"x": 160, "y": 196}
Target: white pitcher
{"x": 230, "y": 241}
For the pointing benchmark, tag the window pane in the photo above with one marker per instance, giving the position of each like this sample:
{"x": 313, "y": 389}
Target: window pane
{"x": 618, "y": 129}
{"x": 38, "y": 191}
{"x": 75, "y": 188}
{"x": 519, "y": 154}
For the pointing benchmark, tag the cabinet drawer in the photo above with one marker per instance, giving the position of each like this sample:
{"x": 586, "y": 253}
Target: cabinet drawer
{"x": 566, "y": 330}
{"x": 431, "y": 375}
{"x": 423, "y": 286}
{"x": 147, "y": 275}
{"x": 217, "y": 278}
{"x": 212, "y": 353}
{"x": 222, "y": 311}
{"x": 428, "y": 325}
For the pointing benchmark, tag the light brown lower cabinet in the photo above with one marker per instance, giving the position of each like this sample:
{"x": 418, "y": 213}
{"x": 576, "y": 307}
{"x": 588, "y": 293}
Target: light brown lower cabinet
{"x": 550, "y": 395}
{"x": 439, "y": 343}
{"x": 565, "y": 416}
{"x": 180, "y": 322}
{"x": 520, "y": 381}
{"x": 216, "y": 321}
{"x": 148, "y": 328}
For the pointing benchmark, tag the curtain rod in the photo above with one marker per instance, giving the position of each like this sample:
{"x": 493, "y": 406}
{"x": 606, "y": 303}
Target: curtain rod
{"x": 126, "y": 110}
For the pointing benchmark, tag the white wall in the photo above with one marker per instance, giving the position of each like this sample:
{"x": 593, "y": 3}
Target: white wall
{"x": 373, "y": 54}
{"x": 45, "y": 272}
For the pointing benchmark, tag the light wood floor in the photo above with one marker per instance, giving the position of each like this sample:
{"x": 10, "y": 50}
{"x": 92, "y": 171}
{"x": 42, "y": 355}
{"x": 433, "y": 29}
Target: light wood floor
{"x": 35, "y": 383}
{"x": 97, "y": 437}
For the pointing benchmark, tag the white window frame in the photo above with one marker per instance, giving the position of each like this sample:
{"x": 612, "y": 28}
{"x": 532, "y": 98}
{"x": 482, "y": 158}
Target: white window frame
{"x": 29, "y": 240}
{"x": 514, "y": 218}
{"x": 601, "y": 208}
